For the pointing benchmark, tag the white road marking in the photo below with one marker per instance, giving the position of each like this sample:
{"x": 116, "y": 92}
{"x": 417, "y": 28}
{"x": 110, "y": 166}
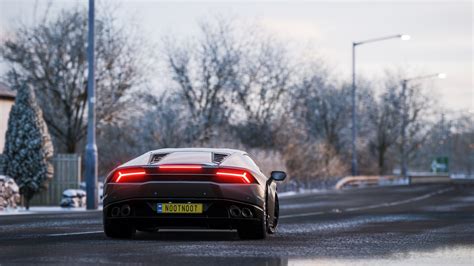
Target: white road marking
{"x": 76, "y": 233}
{"x": 162, "y": 230}
{"x": 303, "y": 214}
{"x": 303, "y": 205}
{"x": 385, "y": 204}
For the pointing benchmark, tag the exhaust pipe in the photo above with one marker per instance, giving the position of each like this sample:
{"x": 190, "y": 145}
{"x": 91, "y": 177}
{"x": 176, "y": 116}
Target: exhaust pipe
{"x": 126, "y": 210}
{"x": 115, "y": 211}
{"x": 235, "y": 211}
{"x": 247, "y": 213}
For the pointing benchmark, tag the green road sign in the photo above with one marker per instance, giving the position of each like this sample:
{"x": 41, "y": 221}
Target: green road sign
{"x": 440, "y": 165}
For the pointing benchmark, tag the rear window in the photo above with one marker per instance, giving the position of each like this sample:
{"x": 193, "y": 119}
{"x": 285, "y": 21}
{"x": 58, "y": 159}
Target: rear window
{"x": 187, "y": 158}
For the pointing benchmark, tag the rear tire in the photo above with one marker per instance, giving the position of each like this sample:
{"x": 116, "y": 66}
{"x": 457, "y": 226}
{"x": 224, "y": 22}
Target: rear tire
{"x": 118, "y": 230}
{"x": 276, "y": 215}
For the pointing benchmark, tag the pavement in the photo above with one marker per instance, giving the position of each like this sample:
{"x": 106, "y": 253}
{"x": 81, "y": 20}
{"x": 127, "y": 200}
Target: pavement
{"x": 40, "y": 210}
{"x": 423, "y": 224}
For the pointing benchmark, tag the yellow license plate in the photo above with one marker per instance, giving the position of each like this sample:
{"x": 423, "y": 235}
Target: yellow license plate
{"x": 179, "y": 208}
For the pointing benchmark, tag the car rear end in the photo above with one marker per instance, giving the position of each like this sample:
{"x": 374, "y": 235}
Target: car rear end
{"x": 183, "y": 190}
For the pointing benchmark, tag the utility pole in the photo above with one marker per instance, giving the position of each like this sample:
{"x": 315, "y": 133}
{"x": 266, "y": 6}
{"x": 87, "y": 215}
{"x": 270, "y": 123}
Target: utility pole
{"x": 403, "y": 158}
{"x": 354, "y": 116}
{"x": 91, "y": 147}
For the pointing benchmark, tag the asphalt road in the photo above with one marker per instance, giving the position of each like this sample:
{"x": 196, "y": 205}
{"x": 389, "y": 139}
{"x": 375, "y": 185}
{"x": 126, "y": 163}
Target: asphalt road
{"x": 392, "y": 225}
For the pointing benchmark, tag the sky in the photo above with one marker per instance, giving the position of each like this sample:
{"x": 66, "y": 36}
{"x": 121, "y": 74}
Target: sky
{"x": 441, "y": 33}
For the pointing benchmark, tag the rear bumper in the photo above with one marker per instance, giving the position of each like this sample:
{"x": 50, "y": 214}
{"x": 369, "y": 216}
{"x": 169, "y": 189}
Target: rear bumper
{"x": 216, "y": 214}
{"x": 253, "y": 194}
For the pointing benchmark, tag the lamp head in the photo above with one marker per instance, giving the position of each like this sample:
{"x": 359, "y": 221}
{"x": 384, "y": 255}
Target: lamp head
{"x": 405, "y": 37}
{"x": 441, "y": 75}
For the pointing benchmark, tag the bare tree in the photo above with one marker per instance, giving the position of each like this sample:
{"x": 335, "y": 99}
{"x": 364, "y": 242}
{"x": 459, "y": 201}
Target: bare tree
{"x": 383, "y": 116}
{"x": 204, "y": 73}
{"x": 227, "y": 75}
{"x": 418, "y": 112}
{"x": 460, "y": 144}
{"x": 323, "y": 108}
{"x": 450, "y": 136}
{"x": 264, "y": 80}
{"x": 166, "y": 123}
{"x": 52, "y": 56}
{"x": 320, "y": 116}
{"x": 162, "y": 121}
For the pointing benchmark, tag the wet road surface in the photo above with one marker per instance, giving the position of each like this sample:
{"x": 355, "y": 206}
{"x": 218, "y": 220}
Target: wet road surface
{"x": 391, "y": 225}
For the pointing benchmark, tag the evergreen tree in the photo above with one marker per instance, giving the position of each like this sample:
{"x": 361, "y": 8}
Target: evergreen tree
{"x": 28, "y": 148}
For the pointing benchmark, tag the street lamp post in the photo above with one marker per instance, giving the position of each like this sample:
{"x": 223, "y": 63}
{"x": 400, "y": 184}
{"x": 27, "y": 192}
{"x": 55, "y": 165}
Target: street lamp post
{"x": 354, "y": 109}
{"x": 403, "y": 155}
{"x": 91, "y": 147}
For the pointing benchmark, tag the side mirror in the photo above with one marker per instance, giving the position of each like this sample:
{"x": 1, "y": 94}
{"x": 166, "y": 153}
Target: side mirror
{"x": 278, "y": 175}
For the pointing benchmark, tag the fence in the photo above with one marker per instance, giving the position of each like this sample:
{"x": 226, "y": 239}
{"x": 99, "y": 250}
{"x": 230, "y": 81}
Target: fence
{"x": 67, "y": 174}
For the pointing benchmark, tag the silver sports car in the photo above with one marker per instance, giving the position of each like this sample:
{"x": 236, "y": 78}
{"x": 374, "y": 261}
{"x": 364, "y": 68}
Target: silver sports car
{"x": 191, "y": 188}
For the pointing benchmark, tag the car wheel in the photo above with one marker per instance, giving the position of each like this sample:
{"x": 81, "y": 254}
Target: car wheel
{"x": 272, "y": 228}
{"x": 118, "y": 230}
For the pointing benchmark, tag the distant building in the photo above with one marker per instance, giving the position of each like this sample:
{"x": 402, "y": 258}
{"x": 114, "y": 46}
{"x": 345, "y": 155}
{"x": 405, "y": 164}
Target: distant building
{"x": 7, "y": 99}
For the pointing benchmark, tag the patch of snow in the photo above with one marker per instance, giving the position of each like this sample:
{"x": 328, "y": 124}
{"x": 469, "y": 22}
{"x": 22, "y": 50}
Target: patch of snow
{"x": 42, "y": 209}
{"x": 301, "y": 192}
{"x": 462, "y": 176}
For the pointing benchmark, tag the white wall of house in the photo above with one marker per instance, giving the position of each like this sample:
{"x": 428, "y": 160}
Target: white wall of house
{"x": 5, "y": 107}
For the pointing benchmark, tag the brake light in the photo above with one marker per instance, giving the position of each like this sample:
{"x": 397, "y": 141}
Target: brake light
{"x": 127, "y": 174}
{"x": 231, "y": 176}
{"x": 183, "y": 172}
{"x": 181, "y": 167}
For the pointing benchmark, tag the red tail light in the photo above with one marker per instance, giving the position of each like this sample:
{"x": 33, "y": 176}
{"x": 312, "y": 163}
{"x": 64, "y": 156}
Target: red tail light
{"x": 234, "y": 176}
{"x": 129, "y": 175}
{"x": 183, "y": 172}
{"x": 180, "y": 167}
